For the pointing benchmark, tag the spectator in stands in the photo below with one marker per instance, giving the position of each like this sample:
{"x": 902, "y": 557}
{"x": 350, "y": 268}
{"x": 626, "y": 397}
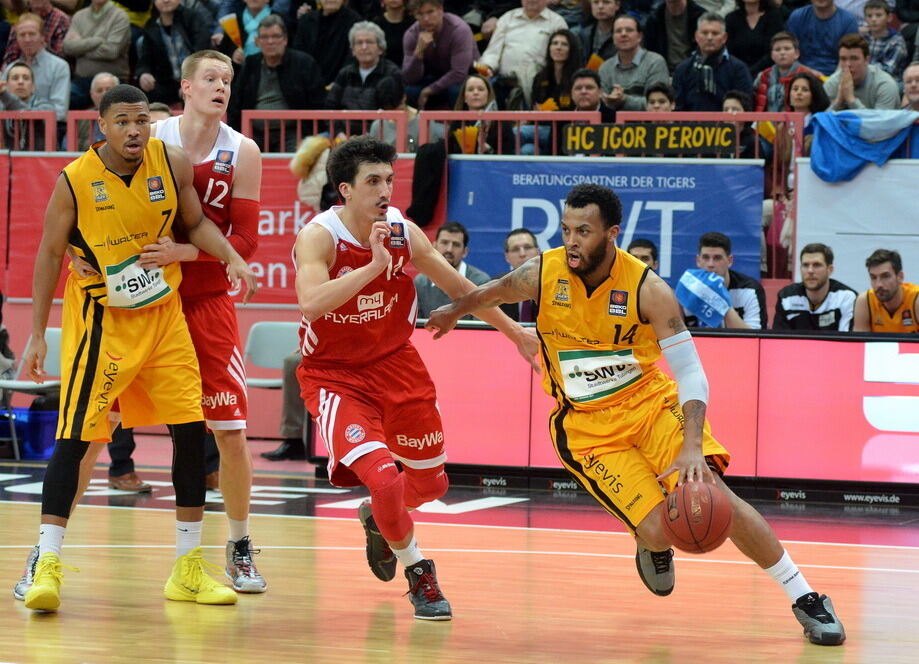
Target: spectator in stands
{"x": 324, "y": 35}
{"x": 770, "y": 84}
{"x": 816, "y": 302}
{"x": 626, "y": 75}
{"x": 750, "y": 28}
{"x": 596, "y": 34}
{"x": 552, "y": 85}
{"x": 88, "y": 131}
{"x": 587, "y": 95}
{"x": 806, "y": 95}
{"x": 891, "y": 304}
{"x": 170, "y": 36}
{"x": 438, "y": 51}
{"x": 736, "y": 101}
{"x": 858, "y": 83}
{"x": 702, "y": 79}
{"x": 51, "y": 74}
{"x": 248, "y": 15}
{"x": 748, "y": 298}
{"x": 911, "y": 86}
{"x": 293, "y": 414}
{"x": 908, "y": 13}
{"x": 482, "y": 136}
{"x": 660, "y": 98}
{"x": 645, "y": 251}
{"x": 819, "y": 27}
{"x": 395, "y": 22}
{"x": 670, "y": 29}
{"x": 886, "y": 47}
{"x": 97, "y": 41}
{"x": 552, "y": 88}
{"x": 520, "y": 245}
{"x": 55, "y": 24}
{"x": 277, "y": 78}
{"x": 356, "y": 87}
{"x": 17, "y": 93}
{"x": 515, "y": 52}
{"x": 391, "y": 94}
{"x": 452, "y": 242}
{"x": 159, "y": 111}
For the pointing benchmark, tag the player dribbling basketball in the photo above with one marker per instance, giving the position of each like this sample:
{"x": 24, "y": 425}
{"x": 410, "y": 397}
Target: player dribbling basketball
{"x": 621, "y": 427}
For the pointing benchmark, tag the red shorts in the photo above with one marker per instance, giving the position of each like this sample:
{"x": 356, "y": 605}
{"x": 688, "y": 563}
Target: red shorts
{"x": 389, "y": 404}
{"x": 212, "y": 324}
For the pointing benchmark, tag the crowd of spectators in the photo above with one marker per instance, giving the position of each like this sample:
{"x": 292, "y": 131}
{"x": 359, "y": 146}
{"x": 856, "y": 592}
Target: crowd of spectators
{"x": 336, "y": 54}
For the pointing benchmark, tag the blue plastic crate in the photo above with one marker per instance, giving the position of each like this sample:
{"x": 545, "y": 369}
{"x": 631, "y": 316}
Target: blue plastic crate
{"x": 35, "y": 430}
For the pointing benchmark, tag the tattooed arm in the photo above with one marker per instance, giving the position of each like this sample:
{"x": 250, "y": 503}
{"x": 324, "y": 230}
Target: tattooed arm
{"x": 516, "y": 286}
{"x": 659, "y": 306}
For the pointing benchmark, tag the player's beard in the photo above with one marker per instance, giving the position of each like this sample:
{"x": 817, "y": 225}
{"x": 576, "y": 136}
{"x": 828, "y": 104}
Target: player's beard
{"x": 589, "y": 262}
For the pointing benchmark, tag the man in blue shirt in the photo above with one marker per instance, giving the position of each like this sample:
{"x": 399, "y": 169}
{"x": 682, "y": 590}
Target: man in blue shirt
{"x": 819, "y": 28}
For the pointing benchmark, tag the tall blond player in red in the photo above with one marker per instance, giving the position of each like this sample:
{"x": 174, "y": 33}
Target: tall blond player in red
{"x": 227, "y": 177}
{"x": 360, "y": 376}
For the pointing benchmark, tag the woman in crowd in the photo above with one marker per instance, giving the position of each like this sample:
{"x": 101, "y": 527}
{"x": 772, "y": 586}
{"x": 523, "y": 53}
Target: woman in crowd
{"x": 481, "y": 136}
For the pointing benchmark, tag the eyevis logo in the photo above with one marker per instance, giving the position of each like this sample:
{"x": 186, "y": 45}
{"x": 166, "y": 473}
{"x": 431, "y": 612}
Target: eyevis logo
{"x": 884, "y": 363}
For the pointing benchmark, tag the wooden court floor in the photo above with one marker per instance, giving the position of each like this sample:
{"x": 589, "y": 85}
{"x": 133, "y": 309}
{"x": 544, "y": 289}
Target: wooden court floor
{"x": 518, "y": 595}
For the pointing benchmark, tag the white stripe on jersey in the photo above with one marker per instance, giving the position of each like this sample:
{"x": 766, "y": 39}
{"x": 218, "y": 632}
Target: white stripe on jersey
{"x": 236, "y": 370}
{"x": 421, "y": 464}
{"x": 361, "y": 450}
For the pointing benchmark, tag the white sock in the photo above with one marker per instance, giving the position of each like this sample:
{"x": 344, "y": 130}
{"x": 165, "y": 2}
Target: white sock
{"x": 188, "y": 536}
{"x": 410, "y": 554}
{"x": 787, "y": 575}
{"x": 51, "y": 539}
{"x": 238, "y": 528}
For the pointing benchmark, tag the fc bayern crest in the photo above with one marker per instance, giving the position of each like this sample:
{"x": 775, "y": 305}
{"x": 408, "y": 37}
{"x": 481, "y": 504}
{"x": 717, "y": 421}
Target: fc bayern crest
{"x": 355, "y": 433}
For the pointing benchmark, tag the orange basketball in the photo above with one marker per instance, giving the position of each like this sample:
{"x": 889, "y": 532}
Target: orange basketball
{"x": 697, "y": 517}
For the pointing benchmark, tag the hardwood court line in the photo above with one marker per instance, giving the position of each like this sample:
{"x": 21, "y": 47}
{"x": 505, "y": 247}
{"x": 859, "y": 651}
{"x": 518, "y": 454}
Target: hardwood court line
{"x": 527, "y": 552}
{"x": 468, "y": 525}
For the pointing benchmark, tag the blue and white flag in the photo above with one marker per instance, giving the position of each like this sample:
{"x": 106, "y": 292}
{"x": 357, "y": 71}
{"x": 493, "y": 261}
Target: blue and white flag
{"x": 845, "y": 141}
{"x": 704, "y": 295}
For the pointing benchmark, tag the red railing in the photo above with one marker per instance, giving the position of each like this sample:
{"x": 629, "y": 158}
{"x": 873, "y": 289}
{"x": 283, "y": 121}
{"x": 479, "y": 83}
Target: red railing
{"x": 786, "y": 135}
{"x": 333, "y": 122}
{"x": 18, "y": 130}
{"x": 555, "y": 120}
{"x": 74, "y": 118}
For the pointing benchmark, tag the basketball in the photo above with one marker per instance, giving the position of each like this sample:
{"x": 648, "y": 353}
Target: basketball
{"x": 697, "y": 517}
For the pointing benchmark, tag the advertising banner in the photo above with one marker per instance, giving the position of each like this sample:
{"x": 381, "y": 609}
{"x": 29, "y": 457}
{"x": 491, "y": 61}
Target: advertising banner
{"x": 282, "y": 216}
{"x": 659, "y": 139}
{"x": 669, "y": 201}
{"x": 876, "y": 210}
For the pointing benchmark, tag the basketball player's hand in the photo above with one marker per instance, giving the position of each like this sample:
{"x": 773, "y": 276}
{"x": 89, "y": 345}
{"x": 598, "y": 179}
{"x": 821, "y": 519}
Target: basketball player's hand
{"x": 441, "y": 320}
{"x": 164, "y": 252}
{"x": 80, "y": 266}
{"x": 33, "y": 360}
{"x": 691, "y": 465}
{"x": 381, "y": 256}
{"x": 528, "y": 346}
{"x": 238, "y": 270}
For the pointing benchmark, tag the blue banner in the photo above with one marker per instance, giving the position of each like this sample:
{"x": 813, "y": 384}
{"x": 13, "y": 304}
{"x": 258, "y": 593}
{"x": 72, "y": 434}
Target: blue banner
{"x": 671, "y": 202}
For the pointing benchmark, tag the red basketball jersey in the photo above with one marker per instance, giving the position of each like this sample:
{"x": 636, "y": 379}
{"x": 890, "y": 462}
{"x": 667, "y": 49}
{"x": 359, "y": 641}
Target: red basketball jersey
{"x": 214, "y": 183}
{"x": 377, "y": 320}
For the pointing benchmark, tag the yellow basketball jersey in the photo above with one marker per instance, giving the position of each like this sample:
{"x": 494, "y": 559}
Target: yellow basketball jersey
{"x": 597, "y": 350}
{"x": 902, "y": 320}
{"x": 115, "y": 219}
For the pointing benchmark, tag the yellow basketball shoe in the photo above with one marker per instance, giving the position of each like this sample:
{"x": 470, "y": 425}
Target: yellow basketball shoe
{"x": 190, "y": 582}
{"x": 45, "y": 593}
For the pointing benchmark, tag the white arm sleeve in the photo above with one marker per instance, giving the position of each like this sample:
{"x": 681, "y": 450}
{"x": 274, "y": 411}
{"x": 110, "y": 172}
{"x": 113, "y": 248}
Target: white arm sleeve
{"x": 686, "y": 366}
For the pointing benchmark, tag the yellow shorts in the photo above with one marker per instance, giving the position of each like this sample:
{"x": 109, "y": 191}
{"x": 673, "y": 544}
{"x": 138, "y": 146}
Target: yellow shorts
{"x": 142, "y": 357}
{"x": 616, "y": 453}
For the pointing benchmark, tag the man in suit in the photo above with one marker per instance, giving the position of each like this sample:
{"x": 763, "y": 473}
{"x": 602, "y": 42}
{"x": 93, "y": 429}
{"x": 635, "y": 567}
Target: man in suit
{"x": 520, "y": 246}
{"x": 453, "y": 243}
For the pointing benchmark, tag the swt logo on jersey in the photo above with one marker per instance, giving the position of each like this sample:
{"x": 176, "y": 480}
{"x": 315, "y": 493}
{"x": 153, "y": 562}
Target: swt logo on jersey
{"x": 219, "y": 399}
